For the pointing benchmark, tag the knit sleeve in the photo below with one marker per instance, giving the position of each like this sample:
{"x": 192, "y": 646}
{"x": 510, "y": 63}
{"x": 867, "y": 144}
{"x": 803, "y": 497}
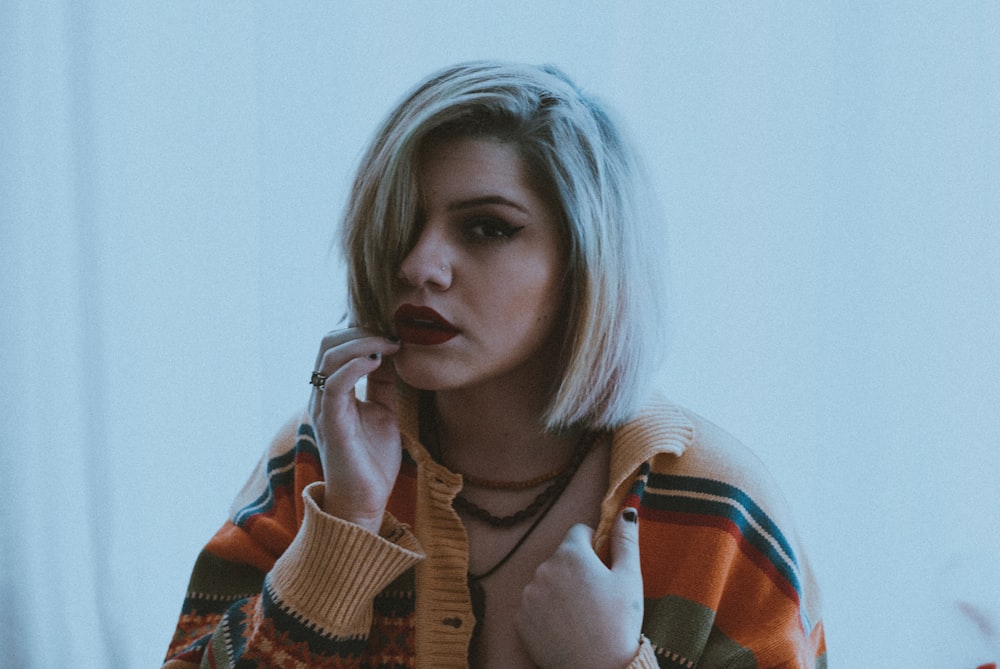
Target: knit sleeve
{"x": 282, "y": 579}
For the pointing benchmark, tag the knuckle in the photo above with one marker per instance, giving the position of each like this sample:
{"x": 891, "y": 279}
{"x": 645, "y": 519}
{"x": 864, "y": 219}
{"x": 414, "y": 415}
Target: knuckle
{"x": 331, "y": 339}
{"x": 337, "y": 337}
{"x": 628, "y": 539}
{"x": 529, "y": 596}
{"x": 336, "y": 358}
{"x": 339, "y": 351}
{"x": 577, "y": 537}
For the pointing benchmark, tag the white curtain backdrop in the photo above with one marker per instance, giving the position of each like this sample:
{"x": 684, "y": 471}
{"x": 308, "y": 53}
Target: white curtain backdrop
{"x": 170, "y": 178}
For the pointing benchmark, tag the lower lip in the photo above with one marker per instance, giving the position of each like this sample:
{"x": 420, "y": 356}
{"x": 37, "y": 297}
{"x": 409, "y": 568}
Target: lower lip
{"x": 422, "y": 336}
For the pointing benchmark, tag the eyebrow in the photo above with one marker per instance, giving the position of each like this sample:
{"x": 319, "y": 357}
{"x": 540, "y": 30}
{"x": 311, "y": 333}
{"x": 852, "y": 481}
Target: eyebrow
{"x": 485, "y": 200}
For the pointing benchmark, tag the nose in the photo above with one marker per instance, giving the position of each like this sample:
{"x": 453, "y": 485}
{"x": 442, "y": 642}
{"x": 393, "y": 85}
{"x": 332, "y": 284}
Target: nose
{"x": 428, "y": 264}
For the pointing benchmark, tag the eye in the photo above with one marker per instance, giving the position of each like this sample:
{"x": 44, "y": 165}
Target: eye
{"x": 487, "y": 229}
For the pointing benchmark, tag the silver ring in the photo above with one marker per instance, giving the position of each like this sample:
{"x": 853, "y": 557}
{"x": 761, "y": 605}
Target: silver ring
{"x": 318, "y": 380}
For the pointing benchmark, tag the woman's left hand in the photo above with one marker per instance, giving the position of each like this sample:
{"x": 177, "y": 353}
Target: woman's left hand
{"x": 578, "y": 613}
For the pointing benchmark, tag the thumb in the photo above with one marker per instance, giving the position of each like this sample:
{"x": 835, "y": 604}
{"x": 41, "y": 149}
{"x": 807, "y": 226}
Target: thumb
{"x": 625, "y": 542}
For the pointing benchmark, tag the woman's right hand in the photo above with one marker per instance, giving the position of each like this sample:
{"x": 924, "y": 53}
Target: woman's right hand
{"x": 358, "y": 439}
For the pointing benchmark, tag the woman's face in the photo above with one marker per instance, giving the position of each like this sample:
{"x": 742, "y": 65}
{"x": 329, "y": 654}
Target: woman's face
{"x": 481, "y": 291}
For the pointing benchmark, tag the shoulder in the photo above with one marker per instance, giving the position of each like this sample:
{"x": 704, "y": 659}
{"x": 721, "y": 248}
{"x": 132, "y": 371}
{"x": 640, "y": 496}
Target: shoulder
{"x": 719, "y": 482}
{"x": 717, "y": 499}
{"x": 715, "y": 453}
{"x": 677, "y": 441}
{"x": 688, "y": 456}
{"x": 717, "y": 538}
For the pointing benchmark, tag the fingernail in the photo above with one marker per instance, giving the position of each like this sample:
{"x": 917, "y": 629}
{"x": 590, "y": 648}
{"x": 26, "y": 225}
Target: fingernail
{"x": 393, "y": 340}
{"x": 375, "y": 356}
{"x": 630, "y": 515}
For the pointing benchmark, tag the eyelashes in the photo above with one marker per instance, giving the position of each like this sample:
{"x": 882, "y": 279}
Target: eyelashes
{"x": 489, "y": 230}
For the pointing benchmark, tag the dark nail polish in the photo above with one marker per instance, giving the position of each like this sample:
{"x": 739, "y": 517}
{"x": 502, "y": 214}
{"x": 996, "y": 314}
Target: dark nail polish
{"x": 630, "y": 515}
{"x": 375, "y": 356}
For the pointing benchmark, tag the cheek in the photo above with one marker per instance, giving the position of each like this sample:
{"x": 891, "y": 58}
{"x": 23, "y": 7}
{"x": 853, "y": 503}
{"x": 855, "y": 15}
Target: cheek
{"x": 526, "y": 298}
{"x": 548, "y": 308}
{"x": 528, "y": 303}
{"x": 553, "y": 299}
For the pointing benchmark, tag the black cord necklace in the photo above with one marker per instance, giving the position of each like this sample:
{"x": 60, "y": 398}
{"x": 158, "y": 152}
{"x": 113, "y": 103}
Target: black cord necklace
{"x": 539, "y": 509}
{"x": 477, "y": 593}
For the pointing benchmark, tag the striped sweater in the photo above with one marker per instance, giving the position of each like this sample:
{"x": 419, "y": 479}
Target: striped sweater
{"x": 283, "y": 584}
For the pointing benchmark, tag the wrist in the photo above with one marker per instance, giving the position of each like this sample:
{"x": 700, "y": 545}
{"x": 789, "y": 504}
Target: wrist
{"x": 370, "y": 521}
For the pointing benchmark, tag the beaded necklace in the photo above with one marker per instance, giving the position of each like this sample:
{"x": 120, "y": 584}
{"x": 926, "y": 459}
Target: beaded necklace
{"x": 489, "y": 484}
{"x": 550, "y": 494}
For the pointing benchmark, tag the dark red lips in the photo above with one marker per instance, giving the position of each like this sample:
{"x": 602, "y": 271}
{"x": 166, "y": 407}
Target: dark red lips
{"x": 422, "y": 326}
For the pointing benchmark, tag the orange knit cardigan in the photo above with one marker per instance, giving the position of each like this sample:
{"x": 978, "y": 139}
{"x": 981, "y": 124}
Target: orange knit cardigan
{"x": 283, "y": 584}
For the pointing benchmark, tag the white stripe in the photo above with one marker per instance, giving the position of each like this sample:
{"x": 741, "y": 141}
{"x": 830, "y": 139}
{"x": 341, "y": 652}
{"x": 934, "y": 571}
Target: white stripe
{"x": 806, "y": 622}
{"x": 745, "y": 513}
{"x": 250, "y": 510}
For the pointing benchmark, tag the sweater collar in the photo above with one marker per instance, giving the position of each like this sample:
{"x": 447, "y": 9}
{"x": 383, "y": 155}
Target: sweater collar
{"x": 660, "y": 428}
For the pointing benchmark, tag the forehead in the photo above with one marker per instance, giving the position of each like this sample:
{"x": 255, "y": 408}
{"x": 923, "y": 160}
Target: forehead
{"x": 472, "y": 163}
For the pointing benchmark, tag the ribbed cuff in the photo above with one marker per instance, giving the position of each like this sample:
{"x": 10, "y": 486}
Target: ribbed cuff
{"x": 333, "y": 569}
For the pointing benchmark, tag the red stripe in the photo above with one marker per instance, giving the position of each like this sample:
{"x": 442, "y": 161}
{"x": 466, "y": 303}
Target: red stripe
{"x": 729, "y": 527}
{"x": 308, "y": 458}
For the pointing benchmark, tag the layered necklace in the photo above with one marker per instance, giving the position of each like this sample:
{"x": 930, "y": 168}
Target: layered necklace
{"x": 558, "y": 480}
{"x": 536, "y": 511}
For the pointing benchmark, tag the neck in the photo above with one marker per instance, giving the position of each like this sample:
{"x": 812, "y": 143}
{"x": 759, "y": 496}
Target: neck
{"x": 497, "y": 432}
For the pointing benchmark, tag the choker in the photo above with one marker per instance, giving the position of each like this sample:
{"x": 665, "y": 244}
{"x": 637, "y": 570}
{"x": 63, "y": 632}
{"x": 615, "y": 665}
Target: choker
{"x": 477, "y": 482}
{"x": 560, "y": 480}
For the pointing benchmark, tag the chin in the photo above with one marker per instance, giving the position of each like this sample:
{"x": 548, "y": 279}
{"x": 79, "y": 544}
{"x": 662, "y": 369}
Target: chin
{"x": 421, "y": 373}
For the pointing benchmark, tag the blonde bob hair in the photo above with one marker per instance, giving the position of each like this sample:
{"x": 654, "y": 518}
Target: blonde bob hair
{"x": 577, "y": 157}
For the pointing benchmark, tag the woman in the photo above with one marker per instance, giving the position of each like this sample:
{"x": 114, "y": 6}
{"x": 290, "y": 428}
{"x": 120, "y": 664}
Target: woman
{"x": 505, "y": 491}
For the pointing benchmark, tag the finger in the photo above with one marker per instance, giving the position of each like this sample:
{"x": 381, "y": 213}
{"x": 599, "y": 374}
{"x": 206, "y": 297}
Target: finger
{"x": 625, "y": 542}
{"x": 381, "y": 388}
{"x": 575, "y": 549}
{"x": 339, "y": 385}
{"x": 338, "y": 338}
{"x": 579, "y": 535}
{"x": 334, "y": 357}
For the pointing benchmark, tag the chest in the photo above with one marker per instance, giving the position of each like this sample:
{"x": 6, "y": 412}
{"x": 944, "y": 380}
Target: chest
{"x": 497, "y": 641}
